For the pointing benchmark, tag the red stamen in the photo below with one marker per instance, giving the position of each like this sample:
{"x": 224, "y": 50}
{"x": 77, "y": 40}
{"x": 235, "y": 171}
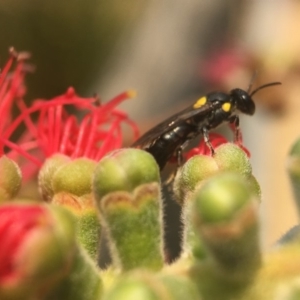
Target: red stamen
{"x": 135, "y": 129}
{"x": 70, "y": 123}
{"x": 106, "y": 142}
{"x": 58, "y": 132}
{"x": 109, "y": 106}
{"x": 7, "y": 67}
{"x": 51, "y": 128}
{"x": 59, "y": 127}
{"x": 19, "y": 149}
{"x": 41, "y": 135}
{"x": 38, "y": 106}
{"x": 80, "y": 136}
{"x": 91, "y": 136}
{"x": 27, "y": 120}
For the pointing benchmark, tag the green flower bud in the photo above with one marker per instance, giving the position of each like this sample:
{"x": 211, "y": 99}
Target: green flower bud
{"x": 193, "y": 172}
{"x": 230, "y": 157}
{"x": 130, "y": 288}
{"x": 10, "y": 178}
{"x": 124, "y": 170}
{"x": 86, "y": 216}
{"x": 45, "y": 177}
{"x": 219, "y": 199}
{"x": 127, "y": 191}
{"x": 134, "y": 227}
{"x": 74, "y": 177}
{"x": 293, "y": 167}
{"x": 225, "y": 219}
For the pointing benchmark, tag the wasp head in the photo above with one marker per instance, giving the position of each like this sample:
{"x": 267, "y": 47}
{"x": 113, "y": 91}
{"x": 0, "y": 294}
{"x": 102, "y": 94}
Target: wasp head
{"x": 243, "y": 101}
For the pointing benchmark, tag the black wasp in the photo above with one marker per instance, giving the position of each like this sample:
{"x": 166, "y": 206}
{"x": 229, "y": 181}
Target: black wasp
{"x": 170, "y": 137}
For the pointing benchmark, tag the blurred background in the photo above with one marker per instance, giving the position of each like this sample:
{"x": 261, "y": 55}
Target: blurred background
{"x": 172, "y": 52}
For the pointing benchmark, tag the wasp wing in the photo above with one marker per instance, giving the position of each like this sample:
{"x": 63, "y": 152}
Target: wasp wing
{"x": 174, "y": 121}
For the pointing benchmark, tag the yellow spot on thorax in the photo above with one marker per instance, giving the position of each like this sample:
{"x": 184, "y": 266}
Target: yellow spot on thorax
{"x": 226, "y": 106}
{"x": 200, "y": 102}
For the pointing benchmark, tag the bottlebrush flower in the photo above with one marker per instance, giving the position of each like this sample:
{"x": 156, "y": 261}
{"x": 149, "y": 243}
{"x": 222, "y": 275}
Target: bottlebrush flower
{"x": 12, "y": 90}
{"x": 37, "y": 247}
{"x": 60, "y": 134}
{"x": 58, "y": 131}
{"x": 51, "y": 128}
{"x": 11, "y": 87}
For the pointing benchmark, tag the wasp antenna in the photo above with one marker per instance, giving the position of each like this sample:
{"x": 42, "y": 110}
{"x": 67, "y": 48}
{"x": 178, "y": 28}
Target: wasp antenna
{"x": 252, "y": 80}
{"x": 265, "y": 86}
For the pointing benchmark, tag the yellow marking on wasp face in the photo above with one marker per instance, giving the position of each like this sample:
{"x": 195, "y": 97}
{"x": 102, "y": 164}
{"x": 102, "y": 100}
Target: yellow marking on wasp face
{"x": 226, "y": 106}
{"x": 200, "y": 102}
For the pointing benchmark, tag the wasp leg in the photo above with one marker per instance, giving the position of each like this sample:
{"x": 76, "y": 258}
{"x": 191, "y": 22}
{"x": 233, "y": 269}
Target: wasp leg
{"x": 170, "y": 178}
{"x": 179, "y": 157}
{"x": 235, "y": 122}
{"x": 207, "y": 140}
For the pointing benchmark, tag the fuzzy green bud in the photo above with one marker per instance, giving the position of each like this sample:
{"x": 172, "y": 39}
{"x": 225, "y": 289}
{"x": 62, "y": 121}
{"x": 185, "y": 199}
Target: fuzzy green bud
{"x": 10, "y": 178}
{"x": 293, "y": 167}
{"x": 127, "y": 191}
{"x": 227, "y": 157}
{"x": 225, "y": 218}
{"x": 230, "y": 157}
{"x": 124, "y": 170}
{"x": 193, "y": 172}
{"x": 132, "y": 288}
{"x": 45, "y": 177}
{"x": 148, "y": 286}
{"x": 74, "y": 177}
{"x": 86, "y": 216}
{"x": 221, "y": 198}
